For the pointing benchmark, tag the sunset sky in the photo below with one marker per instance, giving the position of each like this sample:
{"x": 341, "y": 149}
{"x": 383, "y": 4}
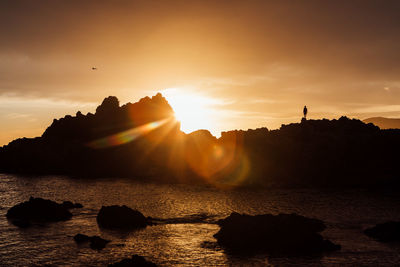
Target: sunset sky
{"x": 248, "y": 63}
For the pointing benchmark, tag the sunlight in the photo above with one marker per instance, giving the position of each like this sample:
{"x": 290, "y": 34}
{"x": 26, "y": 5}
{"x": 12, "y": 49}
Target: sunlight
{"x": 193, "y": 110}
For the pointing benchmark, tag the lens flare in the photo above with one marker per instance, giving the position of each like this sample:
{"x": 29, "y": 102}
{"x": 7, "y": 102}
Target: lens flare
{"x": 126, "y": 136}
{"x": 218, "y": 162}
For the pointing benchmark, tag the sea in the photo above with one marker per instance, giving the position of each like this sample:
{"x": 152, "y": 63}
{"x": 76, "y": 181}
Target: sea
{"x": 186, "y": 216}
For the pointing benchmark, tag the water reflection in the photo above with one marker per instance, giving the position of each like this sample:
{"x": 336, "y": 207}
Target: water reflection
{"x": 184, "y": 233}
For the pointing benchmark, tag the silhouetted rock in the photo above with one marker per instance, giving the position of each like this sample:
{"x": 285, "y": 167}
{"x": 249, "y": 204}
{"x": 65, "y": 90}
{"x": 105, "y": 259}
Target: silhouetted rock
{"x": 135, "y": 261}
{"x": 318, "y": 153}
{"x": 98, "y": 243}
{"x": 91, "y": 145}
{"x": 143, "y": 141}
{"x": 80, "y": 238}
{"x": 121, "y": 217}
{"x": 70, "y": 205}
{"x": 274, "y": 234}
{"x": 110, "y": 104}
{"x": 385, "y": 232}
{"x": 37, "y": 210}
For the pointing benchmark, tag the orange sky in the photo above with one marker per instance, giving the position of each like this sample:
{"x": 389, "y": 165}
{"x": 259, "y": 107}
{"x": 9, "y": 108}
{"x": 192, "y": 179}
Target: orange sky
{"x": 257, "y": 63}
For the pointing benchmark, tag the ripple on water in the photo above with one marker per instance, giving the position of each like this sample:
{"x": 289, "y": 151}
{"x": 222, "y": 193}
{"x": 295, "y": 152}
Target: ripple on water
{"x": 185, "y": 215}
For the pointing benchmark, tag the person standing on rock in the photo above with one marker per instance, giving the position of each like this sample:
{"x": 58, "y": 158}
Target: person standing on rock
{"x": 305, "y": 112}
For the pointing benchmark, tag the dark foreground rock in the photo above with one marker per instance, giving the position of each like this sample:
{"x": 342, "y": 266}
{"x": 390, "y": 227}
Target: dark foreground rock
{"x": 274, "y": 234}
{"x": 96, "y": 242}
{"x": 120, "y": 217}
{"x": 37, "y": 210}
{"x": 135, "y": 261}
{"x": 385, "y": 232}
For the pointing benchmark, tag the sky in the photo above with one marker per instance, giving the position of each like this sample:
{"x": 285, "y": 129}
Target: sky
{"x": 249, "y": 63}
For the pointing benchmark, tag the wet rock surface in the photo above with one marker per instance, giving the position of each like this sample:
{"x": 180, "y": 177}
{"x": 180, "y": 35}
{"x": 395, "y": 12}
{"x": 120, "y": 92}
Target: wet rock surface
{"x": 120, "y": 217}
{"x": 274, "y": 234}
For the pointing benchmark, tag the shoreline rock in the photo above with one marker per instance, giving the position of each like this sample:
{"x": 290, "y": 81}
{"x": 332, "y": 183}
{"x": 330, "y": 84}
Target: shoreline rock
{"x": 275, "y": 234}
{"x": 37, "y": 210}
{"x": 120, "y": 217}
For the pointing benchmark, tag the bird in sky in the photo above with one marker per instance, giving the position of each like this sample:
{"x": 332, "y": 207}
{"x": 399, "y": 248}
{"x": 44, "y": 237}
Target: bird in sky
{"x": 94, "y": 68}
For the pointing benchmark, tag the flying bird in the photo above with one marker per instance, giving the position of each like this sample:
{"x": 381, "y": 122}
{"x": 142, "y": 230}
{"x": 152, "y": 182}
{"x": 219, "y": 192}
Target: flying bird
{"x": 94, "y": 68}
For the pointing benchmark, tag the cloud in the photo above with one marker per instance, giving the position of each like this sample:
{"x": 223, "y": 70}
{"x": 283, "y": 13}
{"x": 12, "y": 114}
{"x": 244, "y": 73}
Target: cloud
{"x": 267, "y": 58}
{"x": 373, "y": 109}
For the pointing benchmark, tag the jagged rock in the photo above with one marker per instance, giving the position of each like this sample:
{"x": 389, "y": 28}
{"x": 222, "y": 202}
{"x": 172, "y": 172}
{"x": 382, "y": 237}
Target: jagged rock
{"x": 70, "y": 205}
{"x": 110, "y": 103}
{"x": 275, "y": 234}
{"x": 135, "y": 261}
{"x": 37, "y": 210}
{"x": 385, "y": 232}
{"x": 121, "y": 217}
{"x": 313, "y": 153}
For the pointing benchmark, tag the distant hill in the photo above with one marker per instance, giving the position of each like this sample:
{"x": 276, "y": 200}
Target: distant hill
{"x": 384, "y": 123}
{"x": 142, "y": 140}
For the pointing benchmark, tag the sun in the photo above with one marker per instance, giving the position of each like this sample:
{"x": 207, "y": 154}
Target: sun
{"x": 193, "y": 110}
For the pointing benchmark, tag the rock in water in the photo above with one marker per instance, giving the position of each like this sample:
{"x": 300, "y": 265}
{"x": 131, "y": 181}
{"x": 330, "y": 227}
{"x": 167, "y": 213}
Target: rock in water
{"x": 96, "y": 242}
{"x": 80, "y": 238}
{"x": 385, "y": 232}
{"x": 120, "y": 217}
{"x": 135, "y": 261}
{"x": 37, "y": 210}
{"x": 275, "y": 234}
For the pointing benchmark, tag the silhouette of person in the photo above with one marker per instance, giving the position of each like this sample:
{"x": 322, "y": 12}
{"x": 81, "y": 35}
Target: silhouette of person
{"x": 305, "y": 112}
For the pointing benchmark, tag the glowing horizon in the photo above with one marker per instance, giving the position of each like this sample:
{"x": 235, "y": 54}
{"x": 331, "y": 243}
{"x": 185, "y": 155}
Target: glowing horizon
{"x": 252, "y": 63}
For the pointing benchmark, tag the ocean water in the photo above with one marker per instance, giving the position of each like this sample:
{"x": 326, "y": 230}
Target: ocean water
{"x": 187, "y": 214}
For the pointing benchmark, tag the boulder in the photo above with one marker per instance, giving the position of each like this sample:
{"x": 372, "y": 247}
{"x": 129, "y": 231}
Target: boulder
{"x": 120, "y": 217}
{"x": 385, "y": 232}
{"x": 96, "y": 242}
{"x": 37, "y": 210}
{"x": 134, "y": 261}
{"x": 274, "y": 234}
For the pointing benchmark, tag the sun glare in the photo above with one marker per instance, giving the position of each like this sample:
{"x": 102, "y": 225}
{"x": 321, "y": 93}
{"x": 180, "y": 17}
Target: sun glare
{"x": 193, "y": 110}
